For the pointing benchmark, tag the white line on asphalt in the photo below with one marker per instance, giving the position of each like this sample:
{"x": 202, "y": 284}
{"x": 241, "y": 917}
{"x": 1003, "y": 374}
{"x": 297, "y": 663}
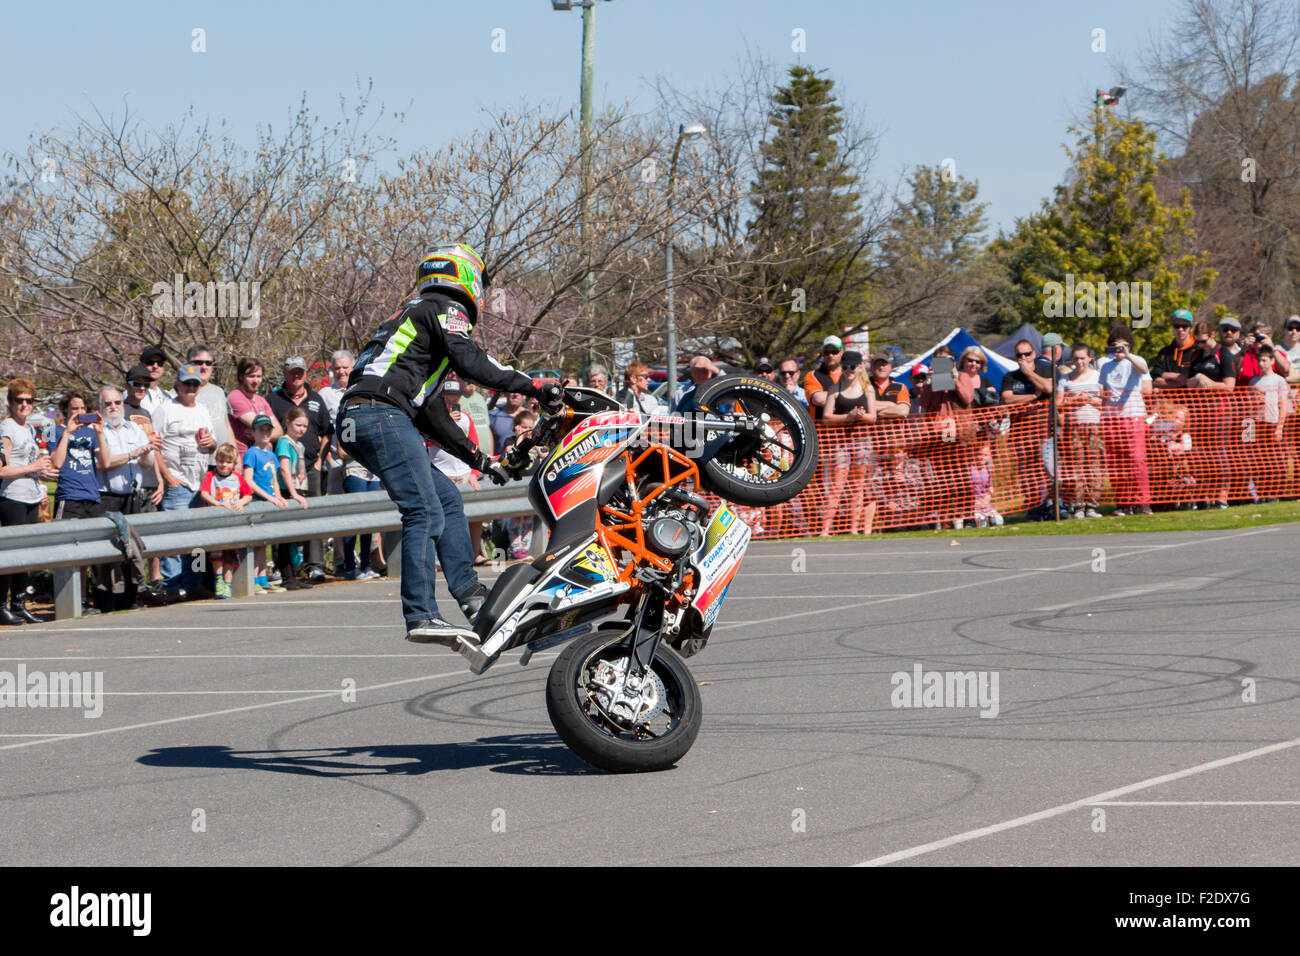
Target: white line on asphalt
{"x": 984, "y": 584}
{"x": 232, "y": 710}
{"x": 859, "y": 573}
{"x": 1075, "y": 805}
{"x": 1181, "y": 584}
{"x": 904, "y": 554}
{"x": 1197, "y": 803}
{"x": 201, "y": 657}
{"x": 185, "y": 628}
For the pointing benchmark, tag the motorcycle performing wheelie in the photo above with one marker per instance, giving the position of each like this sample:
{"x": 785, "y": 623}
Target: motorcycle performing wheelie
{"x": 639, "y": 561}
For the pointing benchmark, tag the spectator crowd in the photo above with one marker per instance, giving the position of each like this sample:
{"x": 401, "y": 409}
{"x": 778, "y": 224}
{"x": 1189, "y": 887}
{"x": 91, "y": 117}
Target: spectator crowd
{"x": 166, "y": 445}
{"x": 1208, "y": 421}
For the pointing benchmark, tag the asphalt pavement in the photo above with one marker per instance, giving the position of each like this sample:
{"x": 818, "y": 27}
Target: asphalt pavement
{"x": 1133, "y": 701}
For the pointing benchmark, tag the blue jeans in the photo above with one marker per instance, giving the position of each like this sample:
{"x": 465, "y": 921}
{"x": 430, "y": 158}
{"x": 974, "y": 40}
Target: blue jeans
{"x": 383, "y": 439}
{"x": 353, "y": 485}
{"x": 178, "y": 570}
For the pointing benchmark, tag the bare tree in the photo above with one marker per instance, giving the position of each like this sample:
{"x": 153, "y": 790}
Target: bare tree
{"x": 1223, "y": 88}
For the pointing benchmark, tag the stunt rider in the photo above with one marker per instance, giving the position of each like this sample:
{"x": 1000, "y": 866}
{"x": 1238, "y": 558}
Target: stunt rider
{"x": 394, "y": 397}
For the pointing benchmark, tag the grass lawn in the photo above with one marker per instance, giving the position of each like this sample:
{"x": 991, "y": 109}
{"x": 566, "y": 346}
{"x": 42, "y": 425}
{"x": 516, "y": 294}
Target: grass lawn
{"x": 1239, "y": 516}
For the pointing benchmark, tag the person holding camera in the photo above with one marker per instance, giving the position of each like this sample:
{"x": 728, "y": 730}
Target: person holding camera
{"x": 1250, "y": 368}
{"x": 76, "y": 448}
{"x": 1125, "y": 383}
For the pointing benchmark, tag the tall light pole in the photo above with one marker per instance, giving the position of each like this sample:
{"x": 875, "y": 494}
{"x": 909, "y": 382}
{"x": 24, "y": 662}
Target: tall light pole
{"x": 684, "y": 131}
{"x": 588, "y": 71}
{"x": 1104, "y": 98}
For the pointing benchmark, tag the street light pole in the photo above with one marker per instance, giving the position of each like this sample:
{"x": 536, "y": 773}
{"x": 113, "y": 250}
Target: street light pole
{"x": 588, "y": 73}
{"x": 692, "y": 129}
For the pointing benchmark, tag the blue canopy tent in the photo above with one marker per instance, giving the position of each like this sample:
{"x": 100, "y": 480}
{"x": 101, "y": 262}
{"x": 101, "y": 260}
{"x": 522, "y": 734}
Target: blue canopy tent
{"x": 959, "y": 340}
{"x": 1007, "y": 347}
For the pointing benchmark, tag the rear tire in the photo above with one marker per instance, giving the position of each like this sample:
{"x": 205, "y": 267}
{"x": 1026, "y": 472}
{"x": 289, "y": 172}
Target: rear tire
{"x": 767, "y": 470}
{"x": 591, "y": 735}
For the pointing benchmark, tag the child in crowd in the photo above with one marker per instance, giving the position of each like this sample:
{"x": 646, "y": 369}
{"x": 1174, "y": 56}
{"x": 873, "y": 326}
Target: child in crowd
{"x": 293, "y": 482}
{"x": 226, "y": 488}
{"x": 981, "y": 484}
{"x": 1274, "y": 406}
{"x": 260, "y": 470}
{"x": 1169, "y": 449}
{"x": 521, "y": 528}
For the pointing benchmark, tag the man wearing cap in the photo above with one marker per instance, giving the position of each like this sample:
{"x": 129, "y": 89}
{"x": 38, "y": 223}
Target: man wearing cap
{"x": 186, "y": 433}
{"x": 892, "y": 399}
{"x": 702, "y": 369}
{"x": 920, "y": 382}
{"x": 764, "y": 369}
{"x": 1173, "y": 363}
{"x": 817, "y": 383}
{"x": 315, "y": 444}
{"x": 1053, "y": 353}
{"x": 1290, "y": 347}
{"x": 154, "y": 361}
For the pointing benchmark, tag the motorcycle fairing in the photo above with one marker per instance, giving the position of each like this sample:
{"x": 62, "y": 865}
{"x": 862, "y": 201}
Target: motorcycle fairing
{"x": 566, "y": 594}
{"x": 717, "y": 560}
{"x": 569, "y": 476}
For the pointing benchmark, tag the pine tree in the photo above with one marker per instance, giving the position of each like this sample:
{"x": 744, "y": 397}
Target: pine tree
{"x": 805, "y": 255}
{"x": 1105, "y": 227}
{"x": 931, "y": 259}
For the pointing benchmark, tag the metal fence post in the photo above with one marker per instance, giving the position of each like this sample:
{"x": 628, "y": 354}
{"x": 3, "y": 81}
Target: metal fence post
{"x": 67, "y": 593}
{"x": 242, "y": 584}
{"x": 391, "y": 544}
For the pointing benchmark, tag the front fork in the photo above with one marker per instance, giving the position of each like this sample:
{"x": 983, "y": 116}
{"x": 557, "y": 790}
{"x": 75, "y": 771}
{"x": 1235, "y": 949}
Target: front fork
{"x": 647, "y": 631}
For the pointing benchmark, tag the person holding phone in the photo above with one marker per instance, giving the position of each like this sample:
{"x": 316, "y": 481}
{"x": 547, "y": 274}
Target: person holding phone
{"x": 76, "y": 448}
{"x": 1125, "y": 382}
{"x": 76, "y": 445}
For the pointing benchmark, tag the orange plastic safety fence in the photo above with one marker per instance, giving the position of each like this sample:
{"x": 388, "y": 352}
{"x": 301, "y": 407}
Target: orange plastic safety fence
{"x": 1174, "y": 449}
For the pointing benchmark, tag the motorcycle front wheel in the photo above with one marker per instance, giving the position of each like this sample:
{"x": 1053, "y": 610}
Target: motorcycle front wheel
{"x": 766, "y": 468}
{"x": 578, "y": 701}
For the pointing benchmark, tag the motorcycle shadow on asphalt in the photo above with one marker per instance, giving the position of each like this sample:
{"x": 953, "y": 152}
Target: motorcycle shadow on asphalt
{"x": 527, "y": 754}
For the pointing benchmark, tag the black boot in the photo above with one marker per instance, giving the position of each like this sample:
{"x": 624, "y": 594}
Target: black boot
{"x": 291, "y": 580}
{"x": 18, "y": 606}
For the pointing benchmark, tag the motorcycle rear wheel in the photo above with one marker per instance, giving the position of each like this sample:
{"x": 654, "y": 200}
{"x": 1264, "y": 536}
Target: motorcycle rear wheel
{"x": 605, "y": 743}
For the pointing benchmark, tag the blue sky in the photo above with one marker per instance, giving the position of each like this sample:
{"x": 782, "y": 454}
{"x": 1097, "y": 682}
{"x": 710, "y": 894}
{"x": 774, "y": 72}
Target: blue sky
{"x": 993, "y": 85}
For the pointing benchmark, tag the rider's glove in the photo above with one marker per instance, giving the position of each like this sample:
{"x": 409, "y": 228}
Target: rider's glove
{"x": 551, "y": 397}
{"x": 493, "y": 469}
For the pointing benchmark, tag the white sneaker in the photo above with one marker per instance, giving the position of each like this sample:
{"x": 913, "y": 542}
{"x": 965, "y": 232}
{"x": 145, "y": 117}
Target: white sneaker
{"x": 367, "y": 575}
{"x": 1091, "y": 513}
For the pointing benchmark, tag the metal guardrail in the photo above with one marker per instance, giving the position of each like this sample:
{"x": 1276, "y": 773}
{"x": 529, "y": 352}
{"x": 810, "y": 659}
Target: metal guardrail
{"x": 67, "y": 546}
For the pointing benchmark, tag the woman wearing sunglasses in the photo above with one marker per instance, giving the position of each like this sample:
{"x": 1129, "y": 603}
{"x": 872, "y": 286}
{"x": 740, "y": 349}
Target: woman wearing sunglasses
{"x": 21, "y": 491}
